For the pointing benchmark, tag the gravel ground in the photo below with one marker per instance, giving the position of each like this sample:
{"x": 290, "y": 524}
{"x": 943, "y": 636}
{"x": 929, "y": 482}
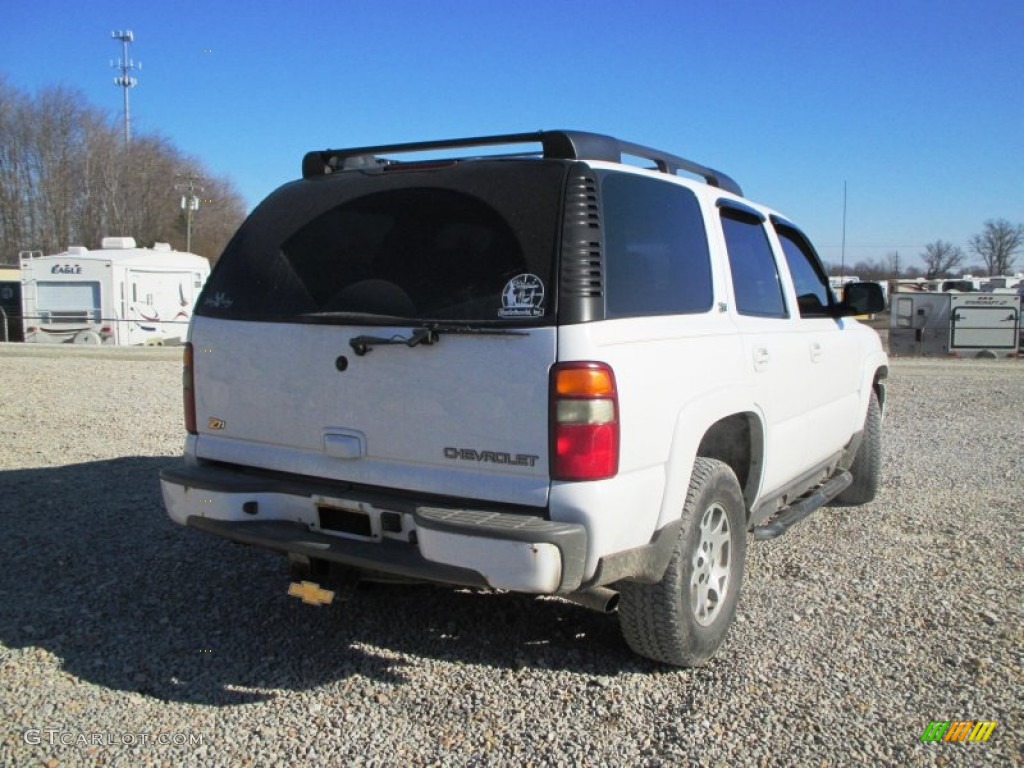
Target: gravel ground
{"x": 127, "y": 640}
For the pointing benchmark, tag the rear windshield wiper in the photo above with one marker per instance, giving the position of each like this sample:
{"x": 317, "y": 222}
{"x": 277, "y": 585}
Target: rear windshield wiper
{"x": 428, "y": 334}
{"x": 362, "y": 344}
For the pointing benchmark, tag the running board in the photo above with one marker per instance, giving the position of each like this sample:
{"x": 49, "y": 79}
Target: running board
{"x": 797, "y": 511}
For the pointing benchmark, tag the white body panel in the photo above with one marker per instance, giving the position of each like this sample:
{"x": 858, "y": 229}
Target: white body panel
{"x": 653, "y": 360}
{"x": 515, "y": 565}
{"x": 466, "y": 416}
{"x": 677, "y": 376}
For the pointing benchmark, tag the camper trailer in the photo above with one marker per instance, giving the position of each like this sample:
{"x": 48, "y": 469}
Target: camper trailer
{"x": 120, "y": 294}
{"x": 955, "y": 323}
{"x": 10, "y": 302}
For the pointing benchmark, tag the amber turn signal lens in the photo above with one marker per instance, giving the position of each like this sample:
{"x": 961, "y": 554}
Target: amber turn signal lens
{"x": 584, "y": 382}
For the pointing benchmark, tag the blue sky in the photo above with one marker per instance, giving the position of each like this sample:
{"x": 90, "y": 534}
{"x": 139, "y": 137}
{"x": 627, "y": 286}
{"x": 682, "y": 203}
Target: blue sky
{"x": 918, "y": 105}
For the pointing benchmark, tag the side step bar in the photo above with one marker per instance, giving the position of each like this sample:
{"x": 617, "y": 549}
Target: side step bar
{"x": 797, "y": 511}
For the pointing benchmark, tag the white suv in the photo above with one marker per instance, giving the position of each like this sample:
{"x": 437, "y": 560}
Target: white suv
{"x": 543, "y": 370}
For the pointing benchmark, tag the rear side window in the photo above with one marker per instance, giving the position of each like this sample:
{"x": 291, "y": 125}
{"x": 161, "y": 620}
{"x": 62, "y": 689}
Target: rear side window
{"x": 656, "y": 250}
{"x": 755, "y": 276}
{"x": 473, "y": 244}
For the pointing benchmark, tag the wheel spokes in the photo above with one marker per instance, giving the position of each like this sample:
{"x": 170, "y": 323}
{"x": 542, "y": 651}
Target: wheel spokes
{"x": 709, "y": 583}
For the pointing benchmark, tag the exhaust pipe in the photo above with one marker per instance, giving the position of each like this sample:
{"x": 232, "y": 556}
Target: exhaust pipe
{"x": 600, "y": 599}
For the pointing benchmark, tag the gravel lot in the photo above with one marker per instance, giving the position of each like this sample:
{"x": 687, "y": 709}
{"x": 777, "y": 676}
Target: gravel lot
{"x": 123, "y": 636}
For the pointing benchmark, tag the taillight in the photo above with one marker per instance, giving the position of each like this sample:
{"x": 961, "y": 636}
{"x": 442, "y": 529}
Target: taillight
{"x": 188, "y": 390}
{"x": 584, "y": 422}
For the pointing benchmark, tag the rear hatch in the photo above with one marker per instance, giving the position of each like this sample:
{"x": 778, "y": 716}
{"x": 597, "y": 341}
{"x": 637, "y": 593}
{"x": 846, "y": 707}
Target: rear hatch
{"x": 392, "y": 328}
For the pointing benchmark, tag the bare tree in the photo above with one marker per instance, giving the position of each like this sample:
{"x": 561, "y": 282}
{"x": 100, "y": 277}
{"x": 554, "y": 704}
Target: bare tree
{"x": 100, "y": 194}
{"x": 13, "y": 170}
{"x": 221, "y": 209}
{"x": 869, "y": 269}
{"x": 56, "y": 156}
{"x": 940, "y": 258}
{"x": 997, "y": 245}
{"x": 67, "y": 178}
{"x": 892, "y": 264}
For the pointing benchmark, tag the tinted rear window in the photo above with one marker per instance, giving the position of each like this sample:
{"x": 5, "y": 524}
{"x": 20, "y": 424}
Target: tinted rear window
{"x": 755, "y": 276}
{"x": 472, "y": 242}
{"x": 656, "y": 248}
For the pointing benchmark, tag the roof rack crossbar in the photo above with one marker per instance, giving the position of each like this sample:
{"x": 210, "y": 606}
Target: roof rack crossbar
{"x": 672, "y": 164}
{"x": 561, "y": 145}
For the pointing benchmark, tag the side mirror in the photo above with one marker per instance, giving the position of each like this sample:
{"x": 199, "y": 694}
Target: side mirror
{"x": 861, "y": 299}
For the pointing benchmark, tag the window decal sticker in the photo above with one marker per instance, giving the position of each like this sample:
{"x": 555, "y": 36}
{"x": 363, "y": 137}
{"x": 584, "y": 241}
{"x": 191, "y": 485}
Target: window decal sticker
{"x": 218, "y": 301}
{"x": 523, "y": 296}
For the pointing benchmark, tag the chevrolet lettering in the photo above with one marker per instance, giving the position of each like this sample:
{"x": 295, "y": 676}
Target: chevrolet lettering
{"x": 492, "y": 457}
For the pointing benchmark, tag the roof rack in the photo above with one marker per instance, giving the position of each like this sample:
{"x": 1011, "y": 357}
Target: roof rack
{"x": 560, "y": 145}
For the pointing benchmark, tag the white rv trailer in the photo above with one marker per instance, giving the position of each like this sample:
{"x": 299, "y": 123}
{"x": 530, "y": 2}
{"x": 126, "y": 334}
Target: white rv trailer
{"x": 119, "y": 294}
{"x": 969, "y": 283}
{"x": 955, "y": 323}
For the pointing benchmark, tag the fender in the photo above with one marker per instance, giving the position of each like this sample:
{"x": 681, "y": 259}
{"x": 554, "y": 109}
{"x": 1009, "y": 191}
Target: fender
{"x": 876, "y": 366}
{"x": 692, "y": 422}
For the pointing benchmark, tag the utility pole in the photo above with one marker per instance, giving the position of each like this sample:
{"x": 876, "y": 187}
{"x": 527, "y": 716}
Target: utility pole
{"x": 189, "y": 202}
{"x": 842, "y": 256}
{"x": 125, "y": 80}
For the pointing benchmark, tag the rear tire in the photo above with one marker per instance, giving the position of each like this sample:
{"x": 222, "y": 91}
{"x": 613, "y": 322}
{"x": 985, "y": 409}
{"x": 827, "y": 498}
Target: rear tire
{"x": 683, "y": 619}
{"x": 867, "y": 465}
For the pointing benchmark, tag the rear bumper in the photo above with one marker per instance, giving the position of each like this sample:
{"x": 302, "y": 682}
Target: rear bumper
{"x": 397, "y": 535}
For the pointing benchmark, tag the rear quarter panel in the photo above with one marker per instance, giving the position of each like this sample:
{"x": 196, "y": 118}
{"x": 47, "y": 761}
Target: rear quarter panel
{"x": 676, "y": 375}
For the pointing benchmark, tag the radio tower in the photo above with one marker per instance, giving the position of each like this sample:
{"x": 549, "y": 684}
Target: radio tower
{"x": 125, "y": 80}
